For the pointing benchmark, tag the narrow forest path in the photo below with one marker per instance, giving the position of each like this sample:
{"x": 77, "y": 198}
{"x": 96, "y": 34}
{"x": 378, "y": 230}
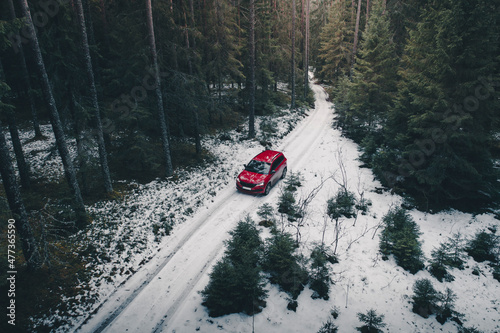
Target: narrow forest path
{"x": 148, "y": 301}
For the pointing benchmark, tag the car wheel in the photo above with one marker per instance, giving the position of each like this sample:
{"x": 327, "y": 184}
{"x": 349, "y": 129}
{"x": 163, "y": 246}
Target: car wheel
{"x": 268, "y": 188}
{"x": 283, "y": 174}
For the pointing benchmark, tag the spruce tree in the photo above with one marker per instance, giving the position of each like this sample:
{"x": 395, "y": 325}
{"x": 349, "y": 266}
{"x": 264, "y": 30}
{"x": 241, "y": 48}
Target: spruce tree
{"x": 69, "y": 170}
{"x": 374, "y": 78}
{"x": 425, "y": 298}
{"x": 443, "y": 119}
{"x": 283, "y": 265}
{"x": 28, "y": 243}
{"x": 400, "y": 238}
{"x": 236, "y": 282}
{"x": 335, "y": 53}
{"x": 373, "y": 323}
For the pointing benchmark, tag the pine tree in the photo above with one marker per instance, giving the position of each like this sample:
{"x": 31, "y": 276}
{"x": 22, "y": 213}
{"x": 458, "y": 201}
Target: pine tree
{"x": 373, "y": 323}
{"x": 283, "y": 265}
{"x": 442, "y": 120}
{"x": 16, "y": 205}
{"x": 236, "y": 282}
{"x": 400, "y": 238}
{"x": 169, "y": 170}
{"x": 320, "y": 278}
{"x": 57, "y": 127}
{"x": 336, "y": 39}
{"x": 425, "y": 298}
{"x": 103, "y": 155}
{"x": 251, "y": 71}
{"x": 374, "y": 77}
{"x": 484, "y": 246}
{"x": 25, "y": 75}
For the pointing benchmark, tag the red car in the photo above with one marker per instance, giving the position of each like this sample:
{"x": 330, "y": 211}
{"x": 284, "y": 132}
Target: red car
{"x": 263, "y": 171}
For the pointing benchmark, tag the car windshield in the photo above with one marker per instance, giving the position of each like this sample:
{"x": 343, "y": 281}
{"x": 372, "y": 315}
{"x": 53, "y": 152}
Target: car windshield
{"x": 258, "y": 167}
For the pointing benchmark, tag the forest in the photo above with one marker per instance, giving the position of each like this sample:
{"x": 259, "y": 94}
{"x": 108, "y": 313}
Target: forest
{"x": 138, "y": 84}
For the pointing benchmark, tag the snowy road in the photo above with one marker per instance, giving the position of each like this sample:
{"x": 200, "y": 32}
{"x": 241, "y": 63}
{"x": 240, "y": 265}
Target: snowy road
{"x": 150, "y": 300}
{"x": 163, "y": 295}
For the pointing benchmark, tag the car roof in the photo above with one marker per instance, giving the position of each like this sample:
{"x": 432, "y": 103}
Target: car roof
{"x": 267, "y": 156}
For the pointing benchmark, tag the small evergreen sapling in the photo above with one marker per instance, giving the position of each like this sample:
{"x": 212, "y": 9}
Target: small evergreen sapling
{"x": 400, "y": 238}
{"x": 329, "y": 326}
{"x": 445, "y": 310}
{"x": 438, "y": 264}
{"x": 283, "y": 266}
{"x": 320, "y": 279}
{"x": 342, "y": 205}
{"x": 236, "y": 282}
{"x": 373, "y": 323}
{"x": 425, "y": 298}
{"x": 484, "y": 246}
{"x": 266, "y": 213}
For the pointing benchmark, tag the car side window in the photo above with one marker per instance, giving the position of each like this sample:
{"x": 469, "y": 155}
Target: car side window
{"x": 276, "y": 163}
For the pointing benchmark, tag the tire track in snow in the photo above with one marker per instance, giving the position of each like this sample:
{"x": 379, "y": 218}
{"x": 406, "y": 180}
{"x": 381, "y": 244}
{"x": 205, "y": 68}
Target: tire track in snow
{"x": 300, "y": 155}
{"x": 118, "y": 314}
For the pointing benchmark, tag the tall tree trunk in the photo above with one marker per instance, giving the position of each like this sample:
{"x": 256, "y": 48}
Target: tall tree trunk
{"x": 69, "y": 170}
{"x": 251, "y": 85}
{"x": 292, "y": 105}
{"x": 306, "y": 52}
{"x": 23, "y": 167}
{"x": 367, "y": 10}
{"x": 356, "y": 32}
{"x": 25, "y": 76}
{"x": 28, "y": 242}
{"x": 169, "y": 170}
{"x": 103, "y": 155}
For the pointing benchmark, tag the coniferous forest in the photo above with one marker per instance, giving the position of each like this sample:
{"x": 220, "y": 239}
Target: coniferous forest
{"x": 138, "y": 84}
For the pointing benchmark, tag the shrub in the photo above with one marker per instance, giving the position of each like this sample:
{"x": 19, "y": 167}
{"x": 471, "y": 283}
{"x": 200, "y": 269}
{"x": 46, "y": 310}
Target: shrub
{"x": 373, "y": 323}
{"x": 483, "y": 247}
{"x": 400, "y": 238}
{"x": 425, "y": 298}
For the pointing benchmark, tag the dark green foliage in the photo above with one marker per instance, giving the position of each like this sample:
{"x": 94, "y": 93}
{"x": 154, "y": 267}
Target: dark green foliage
{"x": 425, "y": 298}
{"x": 445, "y": 309}
{"x": 421, "y": 96}
{"x": 496, "y": 272}
{"x": 293, "y": 181}
{"x": 400, "y": 238}
{"x": 373, "y": 86}
{"x": 449, "y": 254}
{"x": 266, "y": 213}
{"x": 319, "y": 278}
{"x": 342, "y": 205}
{"x": 283, "y": 265}
{"x": 484, "y": 246}
{"x": 443, "y": 117}
{"x": 328, "y": 327}
{"x": 236, "y": 282}
{"x": 373, "y": 323}
{"x": 336, "y": 43}
{"x": 438, "y": 264}
{"x": 468, "y": 330}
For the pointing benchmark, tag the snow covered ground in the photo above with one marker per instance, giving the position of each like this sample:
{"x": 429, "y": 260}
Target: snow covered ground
{"x": 163, "y": 295}
{"x": 145, "y": 281}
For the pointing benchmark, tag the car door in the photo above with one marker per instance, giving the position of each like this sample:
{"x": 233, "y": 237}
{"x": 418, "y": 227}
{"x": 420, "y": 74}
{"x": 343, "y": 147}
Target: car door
{"x": 275, "y": 170}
